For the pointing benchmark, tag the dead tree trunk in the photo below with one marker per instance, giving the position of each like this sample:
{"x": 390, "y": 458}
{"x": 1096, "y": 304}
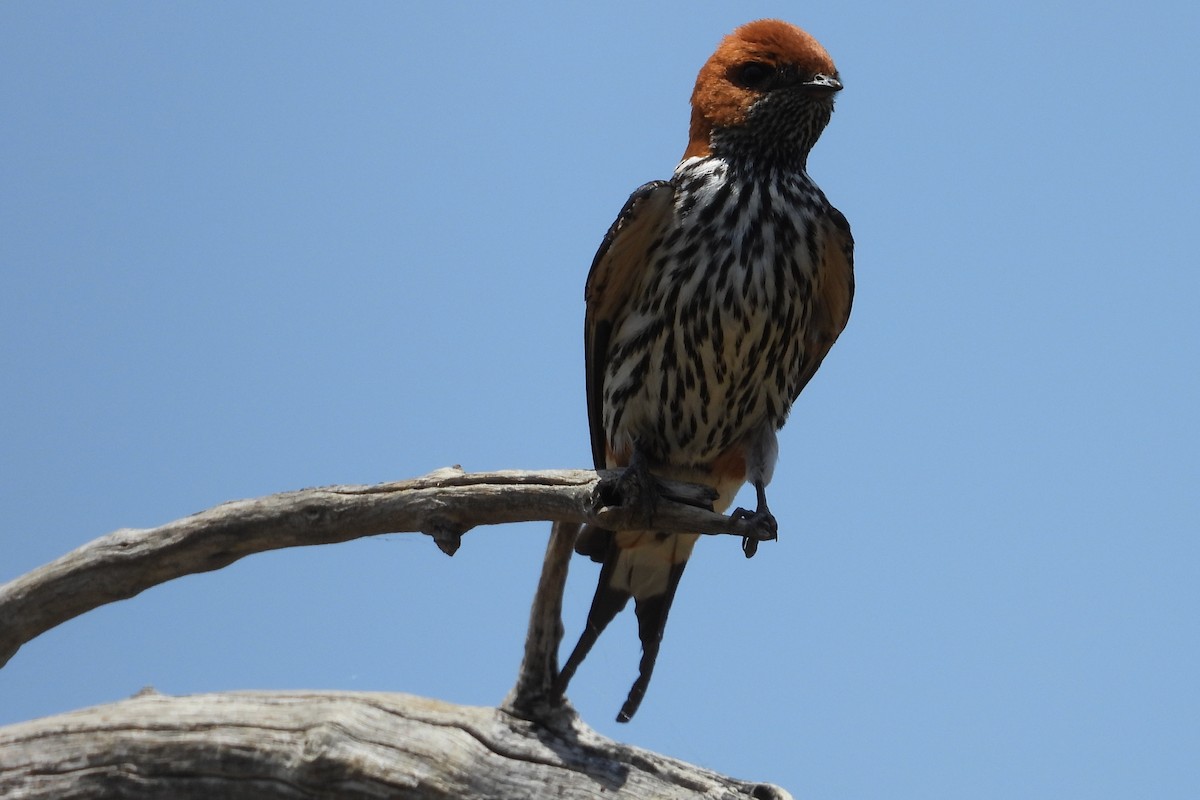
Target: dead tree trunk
{"x": 342, "y": 744}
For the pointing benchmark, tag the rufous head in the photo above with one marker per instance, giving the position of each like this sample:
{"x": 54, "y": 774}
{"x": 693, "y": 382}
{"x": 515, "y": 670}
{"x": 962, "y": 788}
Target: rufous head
{"x": 767, "y": 92}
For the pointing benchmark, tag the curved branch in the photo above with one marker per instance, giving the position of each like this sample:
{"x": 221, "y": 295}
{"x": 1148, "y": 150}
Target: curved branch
{"x": 346, "y": 745}
{"x": 444, "y": 504}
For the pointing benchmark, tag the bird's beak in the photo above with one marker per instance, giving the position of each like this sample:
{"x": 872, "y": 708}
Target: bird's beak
{"x": 822, "y": 85}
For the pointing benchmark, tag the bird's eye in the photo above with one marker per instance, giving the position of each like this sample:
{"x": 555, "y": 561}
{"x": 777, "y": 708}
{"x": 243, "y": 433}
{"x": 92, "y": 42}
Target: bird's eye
{"x": 752, "y": 74}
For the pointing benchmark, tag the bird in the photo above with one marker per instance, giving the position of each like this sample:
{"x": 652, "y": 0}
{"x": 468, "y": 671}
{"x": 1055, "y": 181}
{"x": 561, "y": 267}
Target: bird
{"x": 710, "y": 304}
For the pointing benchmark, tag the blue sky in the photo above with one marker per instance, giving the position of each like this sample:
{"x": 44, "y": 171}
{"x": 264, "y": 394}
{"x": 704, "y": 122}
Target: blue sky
{"x": 246, "y": 248}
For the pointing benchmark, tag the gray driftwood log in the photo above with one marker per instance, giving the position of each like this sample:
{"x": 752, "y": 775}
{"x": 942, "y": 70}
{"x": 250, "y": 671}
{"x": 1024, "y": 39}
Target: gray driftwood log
{"x": 338, "y": 744}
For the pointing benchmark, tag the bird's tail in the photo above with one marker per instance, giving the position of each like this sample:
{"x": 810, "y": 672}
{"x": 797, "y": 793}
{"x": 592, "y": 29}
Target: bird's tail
{"x": 644, "y": 565}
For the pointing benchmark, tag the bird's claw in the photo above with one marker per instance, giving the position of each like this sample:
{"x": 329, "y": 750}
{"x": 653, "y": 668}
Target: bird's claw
{"x": 766, "y": 528}
{"x": 635, "y": 488}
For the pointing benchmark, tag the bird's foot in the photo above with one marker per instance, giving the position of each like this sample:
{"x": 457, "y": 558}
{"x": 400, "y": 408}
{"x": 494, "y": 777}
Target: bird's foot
{"x": 635, "y": 488}
{"x": 766, "y": 528}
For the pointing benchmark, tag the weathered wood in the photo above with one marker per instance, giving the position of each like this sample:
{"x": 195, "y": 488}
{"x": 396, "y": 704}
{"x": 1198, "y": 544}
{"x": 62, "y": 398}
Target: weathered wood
{"x": 346, "y": 745}
{"x": 444, "y": 504}
{"x": 533, "y": 696}
{"x": 343, "y": 745}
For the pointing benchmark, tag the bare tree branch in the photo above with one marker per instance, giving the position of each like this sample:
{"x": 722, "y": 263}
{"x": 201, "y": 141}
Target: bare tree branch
{"x": 444, "y": 504}
{"x": 345, "y": 745}
{"x": 533, "y": 696}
